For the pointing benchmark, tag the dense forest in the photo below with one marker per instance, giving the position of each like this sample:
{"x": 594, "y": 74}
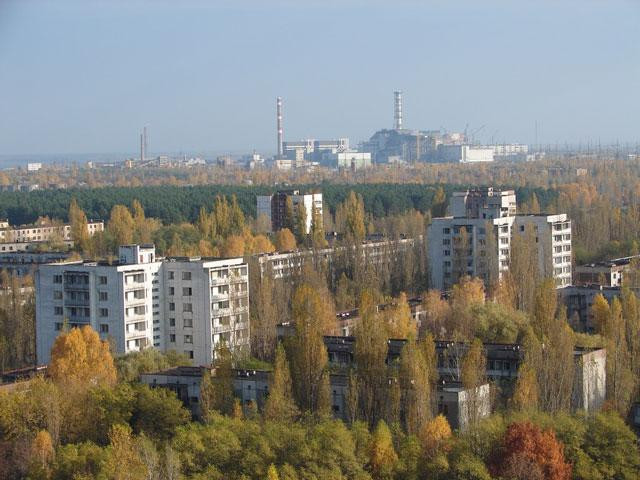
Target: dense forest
{"x": 172, "y": 204}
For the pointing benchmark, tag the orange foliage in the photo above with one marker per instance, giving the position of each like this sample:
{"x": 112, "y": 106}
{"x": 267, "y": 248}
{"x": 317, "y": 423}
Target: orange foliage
{"x": 526, "y": 447}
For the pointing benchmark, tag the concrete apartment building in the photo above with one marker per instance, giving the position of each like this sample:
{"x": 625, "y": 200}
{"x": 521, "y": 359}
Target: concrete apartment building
{"x": 140, "y": 301}
{"x": 489, "y": 220}
{"x": 274, "y": 207}
{"x": 42, "y": 232}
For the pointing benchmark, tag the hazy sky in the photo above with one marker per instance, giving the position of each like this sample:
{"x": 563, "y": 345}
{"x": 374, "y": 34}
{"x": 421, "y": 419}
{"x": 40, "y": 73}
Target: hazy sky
{"x": 85, "y": 76}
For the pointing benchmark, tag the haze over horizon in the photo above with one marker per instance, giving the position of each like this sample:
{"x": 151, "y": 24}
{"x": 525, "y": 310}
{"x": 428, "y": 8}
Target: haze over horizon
{"x": 86, "y": 76}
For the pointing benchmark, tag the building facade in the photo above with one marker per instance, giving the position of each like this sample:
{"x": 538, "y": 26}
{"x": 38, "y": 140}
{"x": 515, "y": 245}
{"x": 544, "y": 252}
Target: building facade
{"x": 274, "y": 208}
{"x": 184, "y": 304}
{"x": 42, "y": 232}
{"x": 476, "y": 239}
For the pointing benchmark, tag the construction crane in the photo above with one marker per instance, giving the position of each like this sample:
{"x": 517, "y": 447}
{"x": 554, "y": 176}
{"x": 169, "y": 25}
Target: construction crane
{"x": 474, "y": 132}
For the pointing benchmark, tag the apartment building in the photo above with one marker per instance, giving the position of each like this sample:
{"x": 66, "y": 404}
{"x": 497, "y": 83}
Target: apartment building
{"x": 476, "y": 239}
{"x": 42, "y": 232}
{"x": 274, "y": 207}
{"x": 140, "y": 301}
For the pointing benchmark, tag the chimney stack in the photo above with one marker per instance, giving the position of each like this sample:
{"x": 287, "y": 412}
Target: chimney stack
{"x": 279, "y": 126}
{"x": 397, "y": 110}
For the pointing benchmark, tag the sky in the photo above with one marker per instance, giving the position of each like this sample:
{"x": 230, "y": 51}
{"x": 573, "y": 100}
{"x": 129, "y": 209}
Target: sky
{"x": 86, "y": 76}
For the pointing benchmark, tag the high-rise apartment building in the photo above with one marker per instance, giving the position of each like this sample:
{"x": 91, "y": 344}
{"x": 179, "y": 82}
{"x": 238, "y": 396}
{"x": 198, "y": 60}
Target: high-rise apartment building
{"x": 274, "y": 207}
{"x": 476, "y": 239}
{"x": 187, "y": 304}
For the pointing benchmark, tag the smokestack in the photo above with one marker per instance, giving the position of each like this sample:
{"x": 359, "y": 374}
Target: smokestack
{"x": 279, "y": 126}
{"x": 143, "y": 144}
{"x": 397, "y": 110}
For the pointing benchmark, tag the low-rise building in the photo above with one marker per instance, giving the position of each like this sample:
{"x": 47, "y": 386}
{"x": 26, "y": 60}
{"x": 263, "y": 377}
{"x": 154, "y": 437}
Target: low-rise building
{"x": 25, "y": 263}
{"x": 609, "y": 273}
{"x": 464, "y": 154}
{"x": 44, "y": 232}
{"x": 579, "y": 299}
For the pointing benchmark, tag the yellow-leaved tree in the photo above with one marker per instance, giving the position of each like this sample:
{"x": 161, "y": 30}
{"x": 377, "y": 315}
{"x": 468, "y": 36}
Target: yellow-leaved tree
{"x": 79, "y": 357}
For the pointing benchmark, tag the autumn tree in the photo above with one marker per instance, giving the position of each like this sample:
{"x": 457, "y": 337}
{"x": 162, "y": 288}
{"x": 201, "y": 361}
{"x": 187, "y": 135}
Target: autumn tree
{"x": 416, "y": 388}
{"x": 525, "y": 395}
{"x": 473, "y": 376}
{"x": 233, "y": 246}
{"x": 435, "y": 436}
{"x": 123, "y": 460}
{"x": 300, "y": 223}
{"x": 524, "y": 267}
{"x": 436, "y": 314}
{"x": 318, "y": 239}
{"x": 439, "y": 203}
{"x": 370, "y": 357}
{"x": 382, "y": 454}
{"x": 308, "y": 353}
{"x": 280, "y": 405}
{"x": 398, "y": 319}
{"x": 527, "y": 453}
{"x": 465, "y": 294}
{"x": 79, "y": 357}
{"x": 121, "y": 225}
{"x": 285, "y": 241}
{"x": 79, "y": 226}
{"x": 222, "y": 382}
{"x": 353, "y": 208}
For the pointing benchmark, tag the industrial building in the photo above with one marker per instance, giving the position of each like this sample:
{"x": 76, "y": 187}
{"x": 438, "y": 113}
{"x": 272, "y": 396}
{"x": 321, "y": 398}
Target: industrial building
{"x": 464, "y": 154}
{"x": 274, "y": 208}
{"x": 187, "y": 304}
{"x": 486, "y": 220}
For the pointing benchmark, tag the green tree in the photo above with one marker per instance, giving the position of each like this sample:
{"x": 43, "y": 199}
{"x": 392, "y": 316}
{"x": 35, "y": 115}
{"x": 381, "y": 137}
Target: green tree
{"x": 280, "y": 405}
{"x": 308, "y": 353}
{"x": 415, "y": 378}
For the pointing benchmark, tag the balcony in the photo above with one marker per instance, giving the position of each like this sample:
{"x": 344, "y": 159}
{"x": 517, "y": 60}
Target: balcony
{"x": 218, "y": 280}
{"x": 221, "y": 329}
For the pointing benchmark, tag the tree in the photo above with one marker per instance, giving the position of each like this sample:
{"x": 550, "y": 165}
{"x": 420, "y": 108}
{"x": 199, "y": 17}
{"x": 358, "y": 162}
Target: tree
{"x": 370, "y": 357}
{"x": 473, "y": 376}
{"x": 461, "y": 251}
{"x": 525, "y": 395}
{"x": 79, "y": 357}
{"x": 262, "y": 244}
{"x": 353, "y": 207}
{"x": 436, "y": 314}
{"x": 233, "y": 246}
{"x": 300, "y": 223}
{"x": 222, "y": 392}
{"x": 465, "y": 294}
{"x": 544, "y": 308}
{"x": 382, "y": 455}
{"x": 439, "y": 203}
{"x": 272, "y": 473}
{"x": 399, "y": 321}
{"x": 123, "y": 461}
{"x": 280, "y": 405}
{"x": 318, "y": 239}
{"x": 308, "y": 353}
{"x": 524, "y": 267}
{"x": 157, "y": 412}
{"x": 285, "y": 240}
{"x": 435, "y": 436}
{"x": 121, "y": 225}
{"x": 42, "y": 454}
{"x": 525, "y": 444}
{"x": 416, "y": 388}
{"x": 79, "y": 226}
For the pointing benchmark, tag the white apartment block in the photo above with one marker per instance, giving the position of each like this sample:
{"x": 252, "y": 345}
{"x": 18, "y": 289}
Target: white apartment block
{"x": 42, "y": 232}
{"x": 490, "y": 221}
{"x": 140, "y": 301}
{"x": 274, "y": 207}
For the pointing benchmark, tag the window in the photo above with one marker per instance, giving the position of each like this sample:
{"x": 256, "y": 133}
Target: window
{"x": 57, "y": 310}
{"x": 189, "y": 353}
{"x": 104, "y": 312}
{"x": 172, "y": 322}
{"x": 186, "y": 275}
{"x": 446, "y": 241}
{"x": 447, "y": 253}
{"x": 58, "y": 327}
{"x": 188, "y": 339}
{"x": 186, "y": 291}
{"x": 446, "y": 231}
{"x": 57, "y": 295}
{"x": 103, "y": 296}
{"x": 104, "y": 328}
{"x": 172, "y": 337}
{"x": 172, "y": 291}
{"x": 172, "y": 275}
{"x": 187, "y": 307}
{"x": 102, "y": 280}
{"x": 172, "y": 307}
{"x": 187, "y": 322}
{"x": 57, "y": 279}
